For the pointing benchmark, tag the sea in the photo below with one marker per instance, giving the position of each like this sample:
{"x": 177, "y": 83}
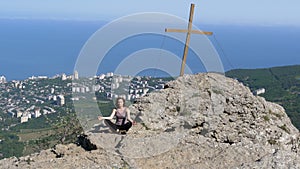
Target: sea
{"x": 51, "y": 47}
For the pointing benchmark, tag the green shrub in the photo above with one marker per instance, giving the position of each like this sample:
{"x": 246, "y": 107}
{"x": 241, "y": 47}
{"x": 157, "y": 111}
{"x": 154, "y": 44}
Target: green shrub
{"x": 272, "y": 141}
{"x": 285, "y": 128}
{"x": 266, "y": 118}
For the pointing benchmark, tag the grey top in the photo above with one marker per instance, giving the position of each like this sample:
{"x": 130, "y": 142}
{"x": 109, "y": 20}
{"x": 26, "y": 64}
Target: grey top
{"x": 121, "y": 117}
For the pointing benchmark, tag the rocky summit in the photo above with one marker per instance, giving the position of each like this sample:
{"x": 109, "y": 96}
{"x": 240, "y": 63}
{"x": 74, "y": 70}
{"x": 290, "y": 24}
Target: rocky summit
{"x": 198, "y": 121}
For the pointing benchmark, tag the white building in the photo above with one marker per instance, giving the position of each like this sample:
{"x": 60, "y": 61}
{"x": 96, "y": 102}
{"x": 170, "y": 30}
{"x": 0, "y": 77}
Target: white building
{"x": 123, "y": 96}
{"x": 54, "y": 98}
{"x": 19, "y": 85}
{"x": 102, "y": 76}
{"x": 2, "y": 79}
{"x": 50, "y": 97}
{"x": 60, "y": 100}
{"x": 24, "y": 119}
{"x": 110, "y": 74}
{"x": 28, "y": 115}
{"x": 76, "y": 75}
{"x": 32, "y": 78}
{"x": 131, "y": 91}
{"x": 45, "y": 112}
{"x": 137, "y": 95}
{"x": 118, "y": 79}
{"x": 145, "y": 90}
{"x": 49, "y": 109}
{"x": 52, "y": 90}
{"x": 129, "y": 96}
{"x": 82, "y": 89}
{"x": 115, "y": 85}
{"x": 75, "y": 98}
{"x": 114, "y": 96}
{"x": 96, "y": 87}
{"x": 63, "y": 77}
{"x": 11, "y": 113}
{"x": 78, "y": 89}
{"x": 37, "y": 112}
{"x": 42, "y": 77}
{"x": 159, "y": 86}
{"x": 260, "y": 91}
{"x": 19, "y": 114}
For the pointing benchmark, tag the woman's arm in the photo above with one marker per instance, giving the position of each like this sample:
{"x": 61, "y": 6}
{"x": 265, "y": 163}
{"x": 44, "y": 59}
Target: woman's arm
{"x": 128, "y": 116}
{"x": 110, "y": 117}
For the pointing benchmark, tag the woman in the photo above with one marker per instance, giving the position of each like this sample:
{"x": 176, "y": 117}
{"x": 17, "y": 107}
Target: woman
{"x": 123, "y": 120}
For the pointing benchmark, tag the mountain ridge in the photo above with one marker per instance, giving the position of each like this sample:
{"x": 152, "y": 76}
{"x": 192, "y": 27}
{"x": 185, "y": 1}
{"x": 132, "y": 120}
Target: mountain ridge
{"x": 282, "y": 86}
{"x": 198, "y": 121}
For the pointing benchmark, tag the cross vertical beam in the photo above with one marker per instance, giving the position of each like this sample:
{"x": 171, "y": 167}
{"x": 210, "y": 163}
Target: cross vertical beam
{"x": 188, "y": 37}
{"x": 187, "y": 41}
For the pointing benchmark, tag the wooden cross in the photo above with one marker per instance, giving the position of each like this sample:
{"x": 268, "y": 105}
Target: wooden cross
{"x": 188, "y": 37}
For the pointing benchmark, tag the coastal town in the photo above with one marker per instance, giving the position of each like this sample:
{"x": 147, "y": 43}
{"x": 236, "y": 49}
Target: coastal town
{"x": 42, "y": 95}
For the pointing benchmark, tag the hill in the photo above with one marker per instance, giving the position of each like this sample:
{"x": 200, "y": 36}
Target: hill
{"x": 282, "y": 86}
{"x": 33, "y": 116}
{"x": 197, "y": 121}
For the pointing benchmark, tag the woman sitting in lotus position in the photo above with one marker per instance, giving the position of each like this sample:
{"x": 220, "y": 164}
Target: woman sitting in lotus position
{"x": 123, "y": 120}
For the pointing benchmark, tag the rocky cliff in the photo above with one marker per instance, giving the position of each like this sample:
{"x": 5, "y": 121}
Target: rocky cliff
{"x": 197, "y": 121}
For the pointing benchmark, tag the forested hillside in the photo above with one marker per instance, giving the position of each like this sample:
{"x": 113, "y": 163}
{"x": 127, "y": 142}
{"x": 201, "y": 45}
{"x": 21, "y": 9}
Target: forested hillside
{"x": 282, "y": 86}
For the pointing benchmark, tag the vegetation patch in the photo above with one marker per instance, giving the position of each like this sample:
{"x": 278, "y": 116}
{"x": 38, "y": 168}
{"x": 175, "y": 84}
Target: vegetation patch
{"x": 10, "y": 145}
{"x": 196, "y": 95}
{"x": 144, "y": 125}
{"x": 216, "y": 91}
{"x": 33, "y": 134}
{"x": 285, "y": 128}
{"x": 278, "y": 115}
{"x": 282, "y": 86}
{"x": 178, "y": 108}
{"x": 266, "y": 118}
{"x": 272, "y": 141}
{"x": 185, "y": 113}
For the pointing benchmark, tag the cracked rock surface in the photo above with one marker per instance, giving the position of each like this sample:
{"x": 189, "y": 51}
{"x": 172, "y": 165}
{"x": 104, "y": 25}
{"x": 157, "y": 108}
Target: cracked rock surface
{"x": 197, "y": 121}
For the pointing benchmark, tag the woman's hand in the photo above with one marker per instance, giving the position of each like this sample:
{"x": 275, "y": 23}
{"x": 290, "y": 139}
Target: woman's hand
{"x": 133, "y": 122}
{"x": 100, "y": 118}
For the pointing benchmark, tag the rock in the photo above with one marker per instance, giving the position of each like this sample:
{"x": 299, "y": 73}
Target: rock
{"x": 197, "y": 121}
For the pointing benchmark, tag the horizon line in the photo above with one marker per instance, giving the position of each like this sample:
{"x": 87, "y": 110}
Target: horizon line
{"x": 57, "y": 75}
{"x": 223, "y": 23}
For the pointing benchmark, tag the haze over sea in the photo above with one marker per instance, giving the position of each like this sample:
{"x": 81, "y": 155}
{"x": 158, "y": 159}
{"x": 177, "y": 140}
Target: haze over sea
{"x": 50, "y": 47}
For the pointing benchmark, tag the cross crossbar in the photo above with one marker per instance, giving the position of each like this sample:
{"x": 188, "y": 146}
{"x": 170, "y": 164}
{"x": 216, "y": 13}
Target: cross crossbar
{"x": 188, "y": 37}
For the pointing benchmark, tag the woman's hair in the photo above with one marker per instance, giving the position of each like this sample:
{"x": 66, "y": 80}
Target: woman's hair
{"x": 120, "y": 98}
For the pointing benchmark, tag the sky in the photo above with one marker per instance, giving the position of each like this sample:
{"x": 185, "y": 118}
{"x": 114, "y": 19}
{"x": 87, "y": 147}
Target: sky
{"x": 278, "y": 24}
{"x": 258, "y": 12}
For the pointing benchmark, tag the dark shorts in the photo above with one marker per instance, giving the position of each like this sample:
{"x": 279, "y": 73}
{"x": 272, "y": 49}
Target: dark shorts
{"x": 125, "y": 126}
